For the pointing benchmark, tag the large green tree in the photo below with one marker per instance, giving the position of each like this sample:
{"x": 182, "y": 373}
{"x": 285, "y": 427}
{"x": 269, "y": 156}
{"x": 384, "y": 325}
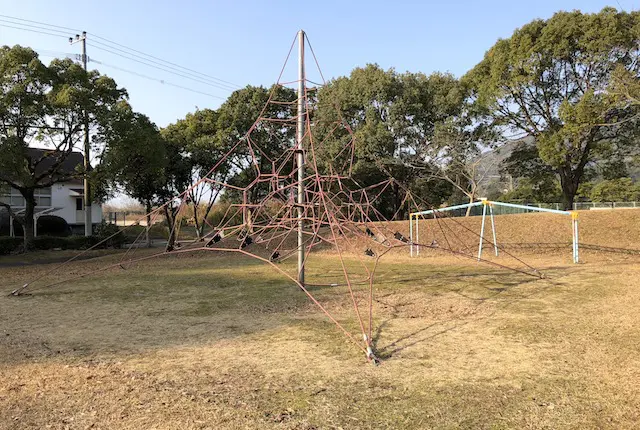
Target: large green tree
{"x": 135, "y": 158}
{"x": 45, "y": 106}
{"x": 551, "y": 80}
{"x": 393, "y": 118}
{"x": 265, "y": 143}
{"x": 197, "y": 134}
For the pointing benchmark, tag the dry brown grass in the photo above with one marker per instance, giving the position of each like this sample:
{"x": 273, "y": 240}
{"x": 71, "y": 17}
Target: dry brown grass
{"x": 218, "y": 342}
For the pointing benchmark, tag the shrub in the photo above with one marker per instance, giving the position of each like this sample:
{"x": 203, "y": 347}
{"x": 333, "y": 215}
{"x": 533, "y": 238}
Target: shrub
{"x": 48, "y": 225}
{"x": 615, "y": 190}
{"x": 157, "y": 231}
{"x": 221, "y": 213}
{"x": 80, "y": 242}
{"x": 51, "y": 225}
{"x": 111, "y": 234}
{"x": 44, "y": 243}
{"x": 9, "y": 244}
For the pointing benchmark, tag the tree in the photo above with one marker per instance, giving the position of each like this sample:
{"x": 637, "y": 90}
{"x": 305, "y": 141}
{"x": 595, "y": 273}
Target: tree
{"x": 535, "y": 180}
{"x": 393, "y": 119}
{"x": 135, "y": 158}
{"x": 616, "y": 190}
{"x": 625, "y": 86}
{"x": 551, "y": 80}
{"x": 456, "y": 151}
{"x": 197, "y": 134}
{"x": 45, "y": 105}
{"x": 269, "y": 139}
{"x": 175, "y": 180}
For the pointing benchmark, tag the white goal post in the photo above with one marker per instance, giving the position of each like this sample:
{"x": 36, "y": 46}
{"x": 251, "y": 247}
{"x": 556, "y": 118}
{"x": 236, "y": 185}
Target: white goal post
{"x": 414, "y": 230}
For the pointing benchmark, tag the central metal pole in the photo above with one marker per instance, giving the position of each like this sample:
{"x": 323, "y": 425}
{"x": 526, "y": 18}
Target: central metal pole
{"x": 300, "y": 154}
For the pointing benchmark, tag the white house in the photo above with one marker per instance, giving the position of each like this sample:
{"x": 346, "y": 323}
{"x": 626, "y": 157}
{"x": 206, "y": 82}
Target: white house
{"x": 64, "y": 199}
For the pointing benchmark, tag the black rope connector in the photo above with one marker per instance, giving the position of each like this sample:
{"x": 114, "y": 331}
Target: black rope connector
{"x": 434, "y": 244}
{"x": 215, "y": 239}
{"x": 275, "y": 255}
{"x": 369, "y": 252}
{"x": 246, "y": 242}
{"x": 369, "y": 232}
{"x": 400, "y": 237}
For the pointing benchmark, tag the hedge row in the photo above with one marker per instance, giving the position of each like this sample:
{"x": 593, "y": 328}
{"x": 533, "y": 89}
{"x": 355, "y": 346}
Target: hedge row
{"x": 9, "y": 244}
{"x": 14, "y": 244}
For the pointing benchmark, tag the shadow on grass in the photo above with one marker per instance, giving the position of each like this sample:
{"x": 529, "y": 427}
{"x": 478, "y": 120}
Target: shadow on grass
{"x": 199, "y": 300}
{"x": 501, "y": 296}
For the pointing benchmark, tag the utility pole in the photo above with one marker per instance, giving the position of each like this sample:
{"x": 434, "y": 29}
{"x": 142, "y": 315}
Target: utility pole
{"x": 88, "y": 225}
{"x": 300, "y": 155}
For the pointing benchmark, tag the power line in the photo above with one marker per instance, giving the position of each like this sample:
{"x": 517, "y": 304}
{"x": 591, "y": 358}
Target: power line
{"x": 41, "y": 23}
{"x": 69, "y": 55}
{"x": 33, "y": 31}
{"x": 55, "y": 54}
{"x": 162, "y": 81}
{"x": 162, "y": 68}
{"x": 124, "y": 51}
{"x": 181, "y": 71}
{"x": 165, "y": 61}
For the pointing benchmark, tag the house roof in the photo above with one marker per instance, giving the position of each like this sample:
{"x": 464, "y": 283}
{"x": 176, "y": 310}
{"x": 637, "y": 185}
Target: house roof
{"x": 48, "y": 158}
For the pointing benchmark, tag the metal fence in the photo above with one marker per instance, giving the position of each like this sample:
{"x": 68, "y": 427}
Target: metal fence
{"x": 578, "y": 206}
{"x": 125, "y": 218}
{"x": 581, "y": 206}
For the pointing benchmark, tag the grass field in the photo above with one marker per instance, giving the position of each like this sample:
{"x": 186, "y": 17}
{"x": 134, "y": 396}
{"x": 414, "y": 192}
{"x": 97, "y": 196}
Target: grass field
{"x": 220, "y": 342}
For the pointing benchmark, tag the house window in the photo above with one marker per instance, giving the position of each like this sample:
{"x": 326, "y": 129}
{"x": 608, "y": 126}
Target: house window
{"x": 43, "y": 196}
{"x": 11, "y": 196}
{"x": 14, "y": 198}
{"x": 78, "y": 204}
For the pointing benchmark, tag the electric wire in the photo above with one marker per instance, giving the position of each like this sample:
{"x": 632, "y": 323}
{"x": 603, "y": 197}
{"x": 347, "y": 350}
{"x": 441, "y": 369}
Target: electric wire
{"x": 141, "y": 61}
{"x": 119, "y": 49}
{"x": 222, "y": 81}
{"x": 161, "y": 81}
{"x": 33, "y": 31}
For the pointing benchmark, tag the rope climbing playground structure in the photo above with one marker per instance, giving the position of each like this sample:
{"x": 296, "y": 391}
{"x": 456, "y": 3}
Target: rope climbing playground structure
{"x": 294, "y": 203}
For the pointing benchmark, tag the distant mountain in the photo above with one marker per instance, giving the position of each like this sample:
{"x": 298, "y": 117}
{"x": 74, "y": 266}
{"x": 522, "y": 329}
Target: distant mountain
{"x": 489, "y": 169}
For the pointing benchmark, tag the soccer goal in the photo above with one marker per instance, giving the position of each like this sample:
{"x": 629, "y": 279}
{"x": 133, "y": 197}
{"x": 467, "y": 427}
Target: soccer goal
{"x": 487, "y": 209}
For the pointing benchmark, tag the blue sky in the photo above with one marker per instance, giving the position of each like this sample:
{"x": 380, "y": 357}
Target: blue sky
{"x": 246, "y": 42}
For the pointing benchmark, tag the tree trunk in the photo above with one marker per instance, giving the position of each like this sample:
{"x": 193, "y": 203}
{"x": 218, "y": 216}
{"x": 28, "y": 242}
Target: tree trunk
{"x": 28, "y": 222}
{"x": 568, "y": 198}
{"x": 396, "y": 200}
{"x": 148, "y": 236}
{"x": 472, "y": 197}
{"x": 170, "y": 216}
{"x": 570, "y": 178}
{"x": 196, "y": 220}
{"x": 569, "y": 182}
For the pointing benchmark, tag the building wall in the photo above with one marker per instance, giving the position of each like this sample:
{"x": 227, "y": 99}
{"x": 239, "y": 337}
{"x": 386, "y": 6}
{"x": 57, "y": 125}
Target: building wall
{"x": 63, "y": 197}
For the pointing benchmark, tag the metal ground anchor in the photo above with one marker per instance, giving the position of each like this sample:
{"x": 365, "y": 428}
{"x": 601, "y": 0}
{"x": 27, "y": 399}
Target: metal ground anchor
{"x": 371, "y": 356}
